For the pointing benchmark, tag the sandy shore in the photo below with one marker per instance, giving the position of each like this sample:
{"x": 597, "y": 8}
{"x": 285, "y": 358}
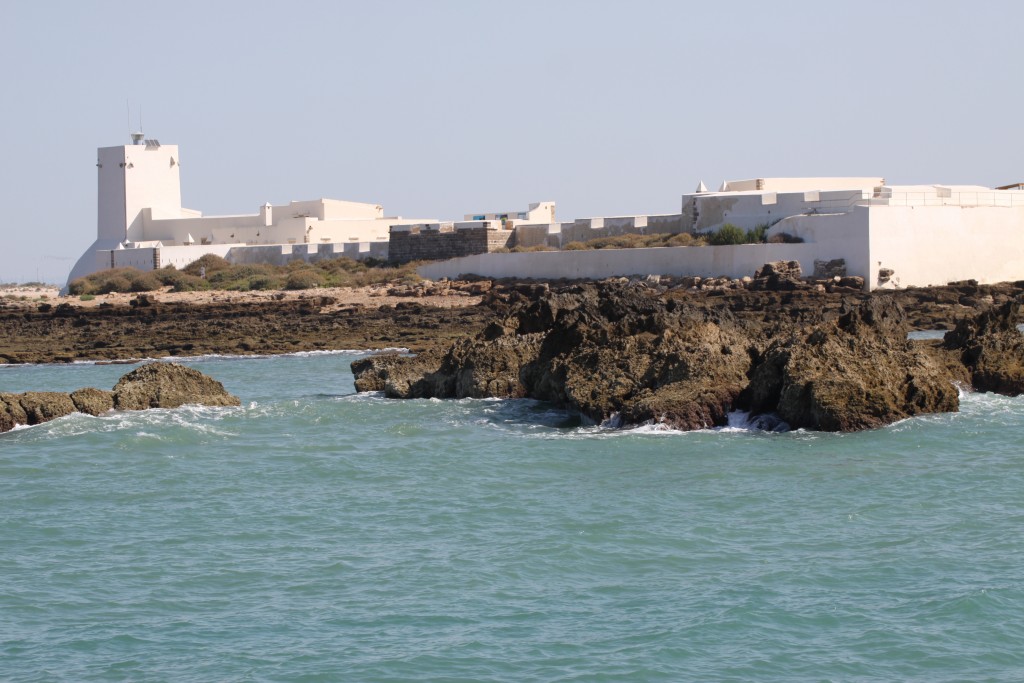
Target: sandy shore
{"x": 377, "y": 295}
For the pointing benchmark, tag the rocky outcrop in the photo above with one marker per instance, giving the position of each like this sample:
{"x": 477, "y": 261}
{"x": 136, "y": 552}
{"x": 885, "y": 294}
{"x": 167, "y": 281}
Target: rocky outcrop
{"x": 67, "y": 333}
{"x": 93, "y": 401}
{"x": 169, "y": 385}
{"x": 778, "y": 276}
{"x": 627, "y": 353}
{"x": 992, "y": 349}
{"x": 856, "y": 372}
{"x": 609, "y": 352}
{"x": 156, "y": 385}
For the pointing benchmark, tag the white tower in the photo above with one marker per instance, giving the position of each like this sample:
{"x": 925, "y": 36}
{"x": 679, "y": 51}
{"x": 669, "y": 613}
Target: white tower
{"x": 131, "y": 178}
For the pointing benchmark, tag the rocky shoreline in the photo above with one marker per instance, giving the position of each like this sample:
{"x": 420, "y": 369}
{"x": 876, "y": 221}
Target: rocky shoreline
{"x": 679, "y": 351}
{"x": 146, "y": 327}
{"x": 419, "y": 318}
{"x": 155, "y": 385}
{"x": 624, "y": 352}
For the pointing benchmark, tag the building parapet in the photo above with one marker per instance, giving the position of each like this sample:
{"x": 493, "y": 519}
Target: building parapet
{"x": 939, "y": 196}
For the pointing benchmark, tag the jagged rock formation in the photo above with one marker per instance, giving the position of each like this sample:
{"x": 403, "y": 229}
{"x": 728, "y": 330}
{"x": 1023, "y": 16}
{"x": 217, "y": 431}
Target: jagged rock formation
{"x": 856, "y": 372}
{"x": 155, "y": 385}
{"x": 778, "y": 276}
{"x": 629, "y": 354}
{"x": 992, "y": 349}
{"x": 169, "y": 385}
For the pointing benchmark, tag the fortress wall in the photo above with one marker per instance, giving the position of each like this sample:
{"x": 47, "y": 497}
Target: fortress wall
{"x": 275, "y": 254}
{"x": 731, "y": 261}
{"x": 671, "y": 224}
{"x": 587, "y": 229}
{"x": 536, "y": 235}
{"x": 933, "y": 245}
{"x": 417, "y": 244}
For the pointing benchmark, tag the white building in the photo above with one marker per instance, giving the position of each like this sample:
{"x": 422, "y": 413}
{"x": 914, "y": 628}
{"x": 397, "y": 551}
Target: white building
{"x": 142, "y": 223}
{"x": 891, "y": 235}
{"x": 539, "y": 212}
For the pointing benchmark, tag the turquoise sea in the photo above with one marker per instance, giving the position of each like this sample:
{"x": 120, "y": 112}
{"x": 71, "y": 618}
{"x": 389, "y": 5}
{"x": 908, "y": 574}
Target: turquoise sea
{"x": 317, "y": 535}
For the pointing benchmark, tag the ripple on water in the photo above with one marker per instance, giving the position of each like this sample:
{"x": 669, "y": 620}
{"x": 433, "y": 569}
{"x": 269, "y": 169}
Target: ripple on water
{"x": 315, "y": 533}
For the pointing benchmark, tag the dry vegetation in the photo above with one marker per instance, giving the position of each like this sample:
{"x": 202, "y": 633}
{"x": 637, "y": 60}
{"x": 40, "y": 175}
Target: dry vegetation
{"x": 221, "y": 275}
{"x": 727, "y": 234}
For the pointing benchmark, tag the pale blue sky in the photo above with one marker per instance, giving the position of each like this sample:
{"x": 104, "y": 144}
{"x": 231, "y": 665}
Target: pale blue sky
{"x": 436, "y": 109}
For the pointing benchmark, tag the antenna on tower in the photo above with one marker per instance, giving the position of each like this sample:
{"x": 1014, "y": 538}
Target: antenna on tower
{"x": 136, "y": 136}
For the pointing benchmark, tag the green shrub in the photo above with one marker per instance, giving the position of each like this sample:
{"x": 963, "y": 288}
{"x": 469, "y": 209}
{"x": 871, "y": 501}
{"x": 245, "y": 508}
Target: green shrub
{"x": 86, "y": 297}
{"x": 757, "y": 234}
{"x": 241, "y": 277}
{"x": 727, "y": 234}
{"x": 179, "y": 280}
{"x": 304, "y": 279}
{"x": 143, "y": 282}
{"x": 211, "y": 262}
{"x": 264, "y": 282}
{"x": 297, "y": 274}
{"x": 189, "y": 283}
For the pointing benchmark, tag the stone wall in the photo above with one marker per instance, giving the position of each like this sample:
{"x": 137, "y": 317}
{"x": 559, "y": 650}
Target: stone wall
{"x": 732, "y": 261}
{"x": 421, "y": 244}
{"x": 539, "y": 235}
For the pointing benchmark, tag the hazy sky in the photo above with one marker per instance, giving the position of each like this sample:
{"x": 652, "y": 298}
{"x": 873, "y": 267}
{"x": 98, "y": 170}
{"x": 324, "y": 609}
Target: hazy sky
{"x": 436, "y": 109}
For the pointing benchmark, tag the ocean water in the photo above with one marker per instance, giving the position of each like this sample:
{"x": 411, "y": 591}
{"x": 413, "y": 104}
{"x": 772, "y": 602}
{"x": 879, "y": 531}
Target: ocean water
{"x": 317, "y": 535}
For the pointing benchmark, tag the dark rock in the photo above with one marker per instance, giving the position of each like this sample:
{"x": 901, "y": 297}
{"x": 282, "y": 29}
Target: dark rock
{"x": 602, "y": 350}
{"x": 781, "y": 269}
{"x": 394, "y": 374}
{"x": 777, "y": 276}
{"x": 43, "y": 406}
{"x": 169, "y": 385}
{"x": 992, "y": 349}
{"x": 11, "y": 412}
{"x": 157, "y": 385}
{"x": 829, "y": 269}
{"x": 93, "y": 401}
{"x": 852, "y": 282}
{"x": 858, "y": 372}
{"x": 621, "y": 355}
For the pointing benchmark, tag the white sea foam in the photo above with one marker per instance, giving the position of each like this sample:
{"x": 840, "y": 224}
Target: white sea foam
{"x": 225, "y": 356}
{"x": 741, "y": 421}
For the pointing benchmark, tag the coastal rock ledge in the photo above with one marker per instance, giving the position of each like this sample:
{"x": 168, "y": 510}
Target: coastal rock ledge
{"x": 622, "y": 354}
{"x": 154, "y": 385}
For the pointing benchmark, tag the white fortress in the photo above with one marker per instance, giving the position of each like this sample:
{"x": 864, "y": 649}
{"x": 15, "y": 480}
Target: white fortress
{"x": 142, "y": 223}
{"x": 891, "y": 235}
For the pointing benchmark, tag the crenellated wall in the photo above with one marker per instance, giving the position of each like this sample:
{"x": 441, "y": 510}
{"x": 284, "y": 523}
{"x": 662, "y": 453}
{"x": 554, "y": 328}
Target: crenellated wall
{"x": 159, "y": 256}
